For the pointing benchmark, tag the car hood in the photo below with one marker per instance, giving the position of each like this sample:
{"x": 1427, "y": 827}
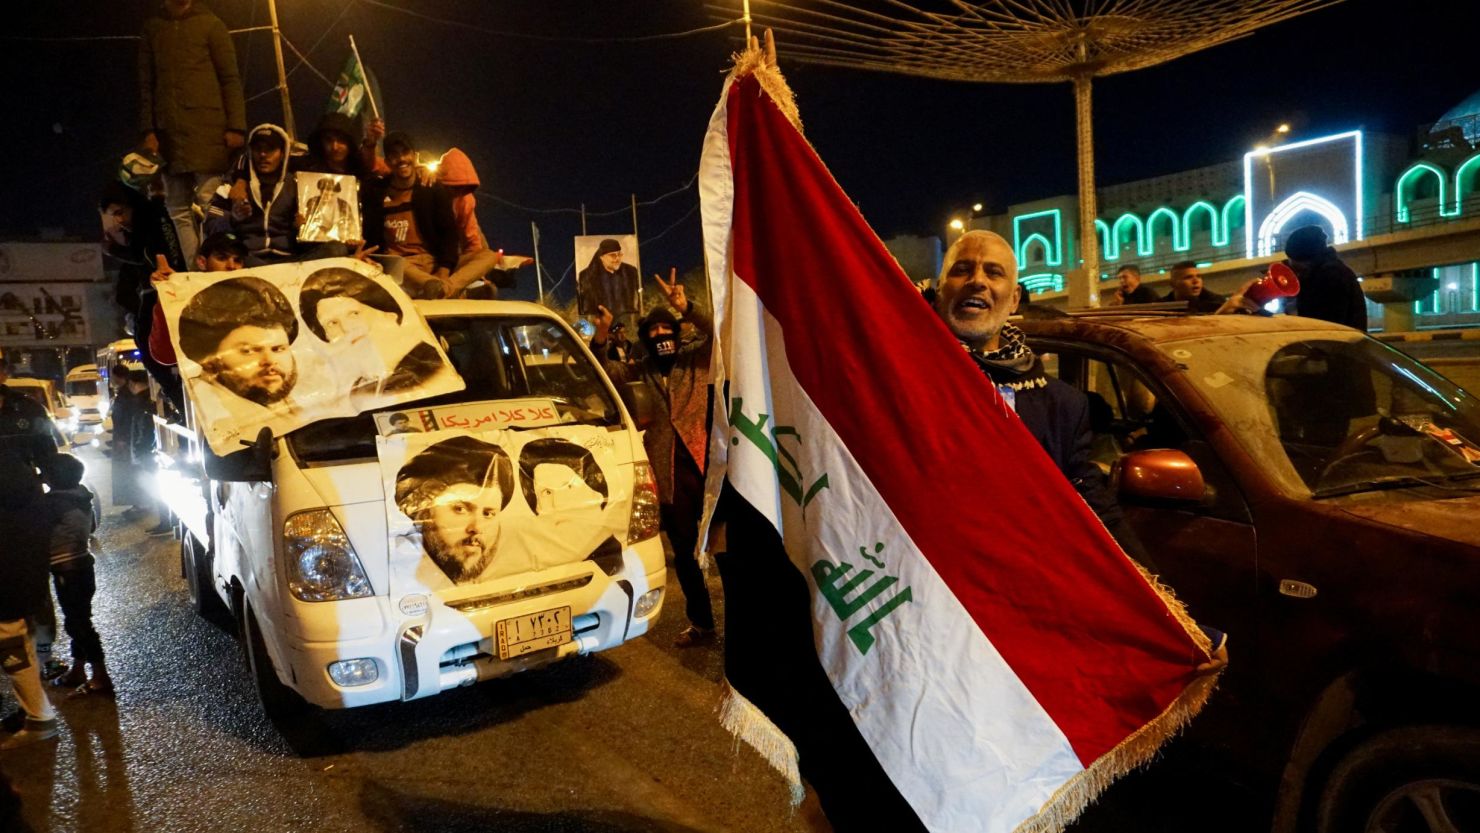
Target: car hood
{"x": 1452, "y": 518}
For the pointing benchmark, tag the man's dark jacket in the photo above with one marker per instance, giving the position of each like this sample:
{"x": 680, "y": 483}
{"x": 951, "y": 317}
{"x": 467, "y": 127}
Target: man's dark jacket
{"x": 1206, "y": 301}
{"x": 190, "y": 90}
{"x": 1329, "y": 291}
{"x": 26, "y": 432}
{"x": 435, "y": 222}
{"x": 25, "y": 558}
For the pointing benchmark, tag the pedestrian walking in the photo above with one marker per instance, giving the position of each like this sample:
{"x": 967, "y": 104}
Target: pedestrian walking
{"x": 73, "y": 509}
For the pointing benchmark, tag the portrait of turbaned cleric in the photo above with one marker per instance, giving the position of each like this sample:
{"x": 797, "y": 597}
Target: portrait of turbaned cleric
{"x": 454, "y": 492}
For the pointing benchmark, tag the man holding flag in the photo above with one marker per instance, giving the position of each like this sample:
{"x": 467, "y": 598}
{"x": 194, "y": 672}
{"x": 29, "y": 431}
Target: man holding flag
{"x": 937, "y": 663}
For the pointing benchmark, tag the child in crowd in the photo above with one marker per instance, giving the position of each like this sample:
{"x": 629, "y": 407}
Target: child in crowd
{"x": 73, "y": 509}
{"x": 22, "y": 593}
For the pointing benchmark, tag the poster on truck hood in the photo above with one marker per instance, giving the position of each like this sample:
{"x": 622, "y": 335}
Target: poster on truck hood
{"x": 287, "y": 345}
{"x": 473, "y": 507}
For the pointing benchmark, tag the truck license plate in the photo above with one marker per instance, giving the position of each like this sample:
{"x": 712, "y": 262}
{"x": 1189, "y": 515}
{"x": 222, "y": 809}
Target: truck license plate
{"x": 533, "y": 632}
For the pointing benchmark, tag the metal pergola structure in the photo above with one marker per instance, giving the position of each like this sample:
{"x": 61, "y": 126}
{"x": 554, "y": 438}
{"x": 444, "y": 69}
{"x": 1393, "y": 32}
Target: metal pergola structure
{"x": 1017, "y": 42}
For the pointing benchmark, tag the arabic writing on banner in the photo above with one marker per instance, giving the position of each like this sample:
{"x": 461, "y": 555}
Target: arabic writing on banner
{"x": 474, "y": 416}
{"x": 287, "y": 345}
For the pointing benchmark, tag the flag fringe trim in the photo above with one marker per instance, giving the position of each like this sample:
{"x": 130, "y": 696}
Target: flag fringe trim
{"x": 1137, "y": 750}
{"x": 749, "y": 724}
{"x": 773, "y": 83}
{"x": 1071, "y": 799}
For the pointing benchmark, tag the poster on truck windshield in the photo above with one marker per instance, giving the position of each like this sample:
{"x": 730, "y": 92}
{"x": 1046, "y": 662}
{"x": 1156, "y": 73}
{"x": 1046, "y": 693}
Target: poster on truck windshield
{"x": 287, "y": 345}
{"x": 474, "y": 507}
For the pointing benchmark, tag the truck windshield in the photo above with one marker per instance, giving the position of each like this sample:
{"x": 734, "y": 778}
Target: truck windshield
{"x": 499, "y": 358}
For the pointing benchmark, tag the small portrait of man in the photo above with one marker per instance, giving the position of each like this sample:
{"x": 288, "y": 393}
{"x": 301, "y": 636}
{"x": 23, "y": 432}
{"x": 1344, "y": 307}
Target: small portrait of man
{"x": 558, "y": 476}
{"x": 401, "y": 424}
{"x": 329, "y": 208}
{"x": 241, "y": 331}
{"x": 608, "y": 280}
{"x": 454, "y": 491}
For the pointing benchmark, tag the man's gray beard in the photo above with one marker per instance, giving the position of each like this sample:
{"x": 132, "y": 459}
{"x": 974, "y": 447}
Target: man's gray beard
{"x": 456, "y": 569}
{"x": 255, "y": 393}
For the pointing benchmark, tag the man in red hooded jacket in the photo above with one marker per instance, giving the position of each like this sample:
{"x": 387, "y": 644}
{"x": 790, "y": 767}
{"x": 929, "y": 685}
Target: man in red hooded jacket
{"x": 475, "y": 259}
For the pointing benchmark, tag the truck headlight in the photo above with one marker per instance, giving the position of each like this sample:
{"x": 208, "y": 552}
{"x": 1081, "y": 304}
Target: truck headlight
{"x": 644, "y": 521}
{"x": 647, "y": 603}
{"x": 321, "y": 564}
{"x": 348, "y": 673}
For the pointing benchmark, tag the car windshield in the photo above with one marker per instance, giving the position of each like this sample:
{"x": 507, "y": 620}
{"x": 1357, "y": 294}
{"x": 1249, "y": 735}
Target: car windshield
{"x": 82, "y": 387}
{"x": 1335, "y": 413}
{"x": 500, "y": 358}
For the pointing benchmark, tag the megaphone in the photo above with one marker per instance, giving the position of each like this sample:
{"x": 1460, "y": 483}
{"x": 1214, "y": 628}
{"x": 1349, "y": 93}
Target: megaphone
{"x": 1279, "y": 282}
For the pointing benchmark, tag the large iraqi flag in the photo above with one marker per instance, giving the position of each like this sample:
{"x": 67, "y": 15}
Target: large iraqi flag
{"x": 996, "y": 658}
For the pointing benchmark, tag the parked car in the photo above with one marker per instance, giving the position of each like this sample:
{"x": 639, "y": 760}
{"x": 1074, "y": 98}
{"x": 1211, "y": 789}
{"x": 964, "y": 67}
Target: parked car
{"x": 1316, "y": 494}
{"x": 83, "y": 391}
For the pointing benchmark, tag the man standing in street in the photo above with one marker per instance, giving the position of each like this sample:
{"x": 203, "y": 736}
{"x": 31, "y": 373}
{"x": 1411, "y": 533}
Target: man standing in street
{"x": 1131, "y": 290}
{"x": 678, "y": 374}
{"x": 1187, "y": 285}
{"x": 191, "y": 109}
{"x": 1328, "y": 288}
{"x": 976, "y": 293}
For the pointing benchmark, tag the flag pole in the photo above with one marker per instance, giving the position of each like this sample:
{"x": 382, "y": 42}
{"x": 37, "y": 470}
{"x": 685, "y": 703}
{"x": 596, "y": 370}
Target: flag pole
{"x": 277, "y": 48}
{"x": 539, "y": 277}
{"x": 745, "y": 4}
{"x": 639, "y": 250}
{"x": 364, "y": 78}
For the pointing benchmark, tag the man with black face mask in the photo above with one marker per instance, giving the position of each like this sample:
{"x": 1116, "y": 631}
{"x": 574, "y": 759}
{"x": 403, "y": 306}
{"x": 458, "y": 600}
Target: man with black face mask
{"x": 678, "y": 373}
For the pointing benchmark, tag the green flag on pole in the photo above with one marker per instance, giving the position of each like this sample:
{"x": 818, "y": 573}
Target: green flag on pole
{"x": 350, "y": 90}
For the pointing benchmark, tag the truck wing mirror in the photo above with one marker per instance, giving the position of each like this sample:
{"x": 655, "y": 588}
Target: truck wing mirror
{"x": 638, "y": 398}
{"x": 1159, "y": 476}
{"x": 252, "y": 464}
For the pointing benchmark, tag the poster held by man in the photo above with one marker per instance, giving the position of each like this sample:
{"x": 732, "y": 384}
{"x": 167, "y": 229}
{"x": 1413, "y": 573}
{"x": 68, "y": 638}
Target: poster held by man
{"x": 610, "y": 275}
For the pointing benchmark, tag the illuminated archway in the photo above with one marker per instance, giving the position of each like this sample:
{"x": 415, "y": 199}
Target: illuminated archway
{"x": 1402, "y": 191}
{"x": 1106, "y": 250}
{"x": 1293, "y": 205}
{"x": 1217, "y": 236}
{"x": 1237, "y": 206}
{"x": 1471, "y": 164}
{"x": 1117, "y": 240}
{"x": 1024, "y": 259}
{"x": 1179, "y": 243}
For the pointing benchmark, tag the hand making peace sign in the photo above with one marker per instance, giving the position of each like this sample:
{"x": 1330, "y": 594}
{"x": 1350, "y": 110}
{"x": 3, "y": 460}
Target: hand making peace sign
{"x": 677, "y": 298}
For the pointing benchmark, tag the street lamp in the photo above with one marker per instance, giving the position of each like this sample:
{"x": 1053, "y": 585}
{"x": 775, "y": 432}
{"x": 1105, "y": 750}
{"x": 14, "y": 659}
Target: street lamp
{"x": 957, "y": 225}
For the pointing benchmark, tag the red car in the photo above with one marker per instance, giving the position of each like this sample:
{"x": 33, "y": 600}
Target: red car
{"x": 1316, "y": 494}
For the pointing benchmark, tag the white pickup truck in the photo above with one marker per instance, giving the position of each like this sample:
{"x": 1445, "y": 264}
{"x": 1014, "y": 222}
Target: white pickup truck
{"x": 290, "y": 536}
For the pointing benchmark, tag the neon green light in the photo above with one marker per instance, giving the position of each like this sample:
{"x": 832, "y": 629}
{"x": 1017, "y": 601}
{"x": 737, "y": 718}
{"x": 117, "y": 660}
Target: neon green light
{"x": 1103, "y": 230}
{"x": 1401, "y": 195}
{"x": 1043, "y": 282}
{"x": 1141, "y": 241}
{"x": 1053, "y": 249}
{"x": 1217, "y": 235}
{"x": 1459, "y": 183}
{"x": 1179, "y": 238}
{"x": 1229, "y": 212}
{"x": 1032, "y": 238}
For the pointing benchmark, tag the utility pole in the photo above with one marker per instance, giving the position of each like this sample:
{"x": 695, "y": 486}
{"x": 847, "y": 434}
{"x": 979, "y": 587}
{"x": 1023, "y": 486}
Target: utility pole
{"x": 277, "y": 48}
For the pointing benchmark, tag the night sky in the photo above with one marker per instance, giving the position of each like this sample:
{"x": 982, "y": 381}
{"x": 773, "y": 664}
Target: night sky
{"x": 553, "y": 125}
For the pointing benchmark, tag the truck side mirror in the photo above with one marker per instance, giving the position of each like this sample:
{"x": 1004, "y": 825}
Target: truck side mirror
{"x": 1159, "y": 476}
{"x": 638, "y": 398}
{"x": 250, "y": 465}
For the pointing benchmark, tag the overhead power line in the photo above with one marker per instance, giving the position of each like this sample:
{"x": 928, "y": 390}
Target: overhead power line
{"x": 550, "y": 38}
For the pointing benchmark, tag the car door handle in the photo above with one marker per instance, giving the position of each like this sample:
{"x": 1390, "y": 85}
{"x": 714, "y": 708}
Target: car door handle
{"x": 1297, "y": 589}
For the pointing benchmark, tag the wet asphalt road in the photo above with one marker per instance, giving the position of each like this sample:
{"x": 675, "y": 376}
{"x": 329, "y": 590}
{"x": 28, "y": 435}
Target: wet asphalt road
{"x": 626, "y": 740}
{"x": 622, "y": 741}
